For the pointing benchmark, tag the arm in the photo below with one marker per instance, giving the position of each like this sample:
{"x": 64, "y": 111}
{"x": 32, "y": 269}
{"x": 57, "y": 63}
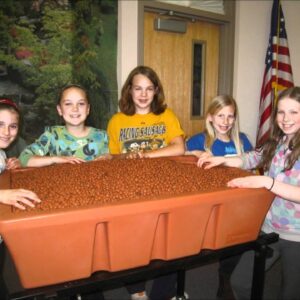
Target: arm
{"x": 281, "y": 189}
{"x": 199, "y": 154}
{"x": 19, "y": 198}
{"x": 213, "y": 161}
{"x": 12, "y": 163}
{"x": 104, "y": 156}
{"x": 38, "y": 154}
{"x": 42, "y": 161}
{"x": 175, "y": 141}
{"x": 176, "y": 147}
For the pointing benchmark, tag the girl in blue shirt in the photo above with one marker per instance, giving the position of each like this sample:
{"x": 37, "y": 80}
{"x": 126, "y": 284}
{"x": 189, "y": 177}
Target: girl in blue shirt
{"x": 221, "y": 136}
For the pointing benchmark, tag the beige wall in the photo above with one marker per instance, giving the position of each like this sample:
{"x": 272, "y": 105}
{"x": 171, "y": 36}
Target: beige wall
{"x": 127, "y": 39}
{"x": 251, "y": 38}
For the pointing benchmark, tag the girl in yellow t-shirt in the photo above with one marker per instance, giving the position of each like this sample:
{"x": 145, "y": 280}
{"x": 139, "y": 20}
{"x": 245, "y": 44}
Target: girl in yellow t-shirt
{"x": 144, "y": 127}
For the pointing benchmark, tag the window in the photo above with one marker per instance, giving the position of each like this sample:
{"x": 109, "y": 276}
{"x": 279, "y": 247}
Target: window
{"x": 198, "y": 66}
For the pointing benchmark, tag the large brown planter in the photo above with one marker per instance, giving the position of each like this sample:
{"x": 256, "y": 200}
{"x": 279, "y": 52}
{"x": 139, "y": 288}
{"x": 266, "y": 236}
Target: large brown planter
{"x": 68, "y": 244}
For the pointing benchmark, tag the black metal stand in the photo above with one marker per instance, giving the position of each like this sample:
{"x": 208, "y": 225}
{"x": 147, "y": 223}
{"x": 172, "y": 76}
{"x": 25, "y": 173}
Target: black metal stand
{"x": 262, "y": 251}
{"x": 109, "y": 280}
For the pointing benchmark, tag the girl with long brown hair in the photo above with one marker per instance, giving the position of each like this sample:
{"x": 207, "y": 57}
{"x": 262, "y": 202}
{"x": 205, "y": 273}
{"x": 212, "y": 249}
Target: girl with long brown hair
{"x": 279, "y": 158}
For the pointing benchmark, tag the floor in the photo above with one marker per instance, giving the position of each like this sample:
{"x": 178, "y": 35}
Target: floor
{"x": 201, "y": 283}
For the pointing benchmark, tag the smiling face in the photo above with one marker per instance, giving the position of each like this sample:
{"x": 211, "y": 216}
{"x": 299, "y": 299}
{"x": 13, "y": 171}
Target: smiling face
{"x": 74, "y": 107}
{"x": 9, "y": 125}
{"x": 142, "y": 93}
{"x": 288, "y": 116}
{"x": 222, "y": 121}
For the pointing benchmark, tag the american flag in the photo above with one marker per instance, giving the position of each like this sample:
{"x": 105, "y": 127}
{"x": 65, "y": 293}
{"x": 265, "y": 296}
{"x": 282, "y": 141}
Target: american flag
{"x": 278, "y": 72}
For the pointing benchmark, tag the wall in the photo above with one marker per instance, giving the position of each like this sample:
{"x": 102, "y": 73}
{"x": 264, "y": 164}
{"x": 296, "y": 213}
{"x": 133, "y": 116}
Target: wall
{"x": 253, "y": 19}
{"x": 251, "y": 39}
{"x": 127, "y": 39}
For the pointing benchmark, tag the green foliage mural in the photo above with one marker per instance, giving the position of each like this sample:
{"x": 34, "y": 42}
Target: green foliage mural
{"x": 46, "y": 44}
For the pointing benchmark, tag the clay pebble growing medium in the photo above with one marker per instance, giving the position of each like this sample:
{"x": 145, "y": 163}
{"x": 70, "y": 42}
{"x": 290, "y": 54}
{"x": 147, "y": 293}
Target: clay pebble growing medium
{"x": 111, "y": 181}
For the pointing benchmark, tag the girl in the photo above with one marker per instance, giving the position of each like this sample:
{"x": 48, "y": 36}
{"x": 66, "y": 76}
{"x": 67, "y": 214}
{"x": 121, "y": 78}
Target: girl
{"x": 9, "y": 125}
{"x": 19, "y": 198}
{"x": 145, "y": 127}
{"x": 280, "y": 160}
{"x": 221, "y": 136}
{"x": 73, "y": 143}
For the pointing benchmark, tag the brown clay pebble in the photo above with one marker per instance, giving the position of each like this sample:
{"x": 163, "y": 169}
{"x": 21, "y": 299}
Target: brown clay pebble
{"x": 110, "y": 181}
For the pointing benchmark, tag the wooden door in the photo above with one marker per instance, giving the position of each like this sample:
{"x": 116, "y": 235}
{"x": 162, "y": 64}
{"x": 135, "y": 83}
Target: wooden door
{"x": 170, "y": 55}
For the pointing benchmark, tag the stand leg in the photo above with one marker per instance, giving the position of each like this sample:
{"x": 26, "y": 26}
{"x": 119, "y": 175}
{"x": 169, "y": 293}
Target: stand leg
{"x": 258, "y": 279}
{"x": 3, "y": 290}
{"x": 180, "y": 285}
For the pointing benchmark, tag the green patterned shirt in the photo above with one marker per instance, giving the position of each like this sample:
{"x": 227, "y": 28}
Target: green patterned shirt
{"x": 57, "y": 141}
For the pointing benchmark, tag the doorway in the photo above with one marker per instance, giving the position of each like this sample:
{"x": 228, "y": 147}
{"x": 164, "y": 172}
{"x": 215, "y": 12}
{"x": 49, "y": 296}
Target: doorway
{"x": 158, "y": 50}
{"x": 172, "y": 56}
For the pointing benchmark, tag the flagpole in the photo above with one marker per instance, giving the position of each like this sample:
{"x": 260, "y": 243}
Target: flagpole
{"x": 277, "y": 53}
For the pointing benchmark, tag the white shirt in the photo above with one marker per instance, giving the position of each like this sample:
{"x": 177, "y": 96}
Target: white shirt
{"x": 2, "y": 161}
{"x": 2, "y": 168}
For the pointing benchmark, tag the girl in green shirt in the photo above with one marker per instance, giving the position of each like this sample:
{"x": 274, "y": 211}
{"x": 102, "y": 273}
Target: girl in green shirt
{"x": 72, "y": 143}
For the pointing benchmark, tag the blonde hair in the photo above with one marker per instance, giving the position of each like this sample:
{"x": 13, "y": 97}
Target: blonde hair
{"x": 215, "y": 106}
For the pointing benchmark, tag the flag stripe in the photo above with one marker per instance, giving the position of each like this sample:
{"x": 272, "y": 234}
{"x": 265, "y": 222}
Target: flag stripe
{"x": 284, "y": 67}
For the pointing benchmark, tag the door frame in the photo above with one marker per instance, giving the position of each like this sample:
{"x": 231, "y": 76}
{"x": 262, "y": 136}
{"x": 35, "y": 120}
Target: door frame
{"x": 227, "y": 28}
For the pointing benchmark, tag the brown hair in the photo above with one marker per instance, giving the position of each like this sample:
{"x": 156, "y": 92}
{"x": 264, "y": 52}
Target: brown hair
{"x": 215, "y": 106}
{"x": 277, "y": 136}
{"x": 126, "y": 103}
{"x": 69, "y": 86}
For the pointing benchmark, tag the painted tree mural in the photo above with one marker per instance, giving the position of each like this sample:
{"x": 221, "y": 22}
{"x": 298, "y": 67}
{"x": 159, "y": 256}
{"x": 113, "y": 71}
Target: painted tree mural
{"x": 46, "y": 44}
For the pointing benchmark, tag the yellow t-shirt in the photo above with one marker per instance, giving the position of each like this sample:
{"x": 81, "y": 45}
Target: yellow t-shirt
{"x": 142, "y": 132}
